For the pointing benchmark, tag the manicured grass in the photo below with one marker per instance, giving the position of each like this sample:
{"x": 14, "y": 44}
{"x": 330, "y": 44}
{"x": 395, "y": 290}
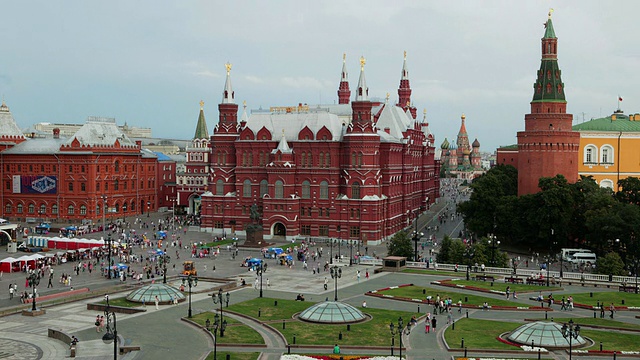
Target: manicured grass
{"x": 122, "y": 302}
{"x": 235, "y": 355}
{"x": 222, "y": 243}
{"x": 268, "y": 311}
{"x": 502, "y": 286}
{"x": 612, "y": 340}
{"x": 415, "y": 292}
{"x": 373, "y": 332}
{"x": 597, "y": 322}
{"x": 479, "y": 334}
{"x": 235, "y": 333}
{"x": 607, "y": 297}
{"x": 430, "y": 272}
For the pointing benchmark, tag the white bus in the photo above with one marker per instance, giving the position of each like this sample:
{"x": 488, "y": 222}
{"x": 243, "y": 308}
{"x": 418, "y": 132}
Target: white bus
{"x": 567, "y": 254}
{"x": 583, "y": 258}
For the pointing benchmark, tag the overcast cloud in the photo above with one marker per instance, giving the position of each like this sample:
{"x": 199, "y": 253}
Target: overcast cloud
{"x": 149, "y": 63}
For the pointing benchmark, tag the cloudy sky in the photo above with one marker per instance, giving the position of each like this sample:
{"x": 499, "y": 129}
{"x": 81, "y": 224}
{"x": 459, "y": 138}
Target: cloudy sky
{"x": 149, "y": 63}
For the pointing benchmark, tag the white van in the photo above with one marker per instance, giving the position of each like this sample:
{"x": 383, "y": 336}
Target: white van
{"x": 583, "y": 258}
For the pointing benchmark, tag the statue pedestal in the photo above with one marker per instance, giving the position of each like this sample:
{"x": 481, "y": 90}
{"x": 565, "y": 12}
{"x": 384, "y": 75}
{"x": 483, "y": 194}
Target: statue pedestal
{"x": 37, "y": 312}
{"x": 254, "y": 237}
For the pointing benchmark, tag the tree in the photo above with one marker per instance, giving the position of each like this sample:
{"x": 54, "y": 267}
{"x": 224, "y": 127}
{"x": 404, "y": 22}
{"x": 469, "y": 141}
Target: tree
{"x": 610, "y": 264}
{"x": 629, "y": 190}
{"x": 400, "y": 245}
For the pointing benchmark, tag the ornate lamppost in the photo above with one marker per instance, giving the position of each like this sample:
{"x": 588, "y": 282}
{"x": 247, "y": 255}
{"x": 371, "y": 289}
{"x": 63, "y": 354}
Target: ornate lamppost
{"x": 217, "y": 325}
{"x": 469, "y": 253}
{"x": 416, "y": 237}
{"x": 218, "y": 299}
{"x": 33, "y": 280}
{"x": 191, "y": 281}
{"x": 112, "y": 331}
{"x": 336, "y": 273}
{"x": 260, "y": 269}
{"x": 397, "y": 330}
{"x": 164, "y": 260}
{"x": 494, "y": 245}
{"x": 570, "y": 332}
{"x": 109, "y": 256}
{"x": 330, "y": 251}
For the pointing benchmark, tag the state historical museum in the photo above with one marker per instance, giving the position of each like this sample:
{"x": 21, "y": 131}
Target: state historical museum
{"x": 356, "y": 170}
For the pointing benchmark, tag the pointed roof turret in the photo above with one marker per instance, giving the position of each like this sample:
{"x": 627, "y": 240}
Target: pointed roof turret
{"x": 476, "y": 143}
{"x": 404, "y": 90}
{"x": 283, "y": 145}
{"x": 201, "y": 127}
{"x": 344, "y": 93}
{"x": 228, "y": 95}
{"x": 549, "y": 32}
{"x": 362, "y": 93}
{"x": 405, "y": 69}
{"x": 8, "y": 126}
{"x": 244, "y": 117}
{"x": 463, "y": 127}
{"x": 549, "y": 86}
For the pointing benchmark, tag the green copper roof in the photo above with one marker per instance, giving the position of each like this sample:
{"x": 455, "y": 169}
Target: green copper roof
{"x": 621, "y": 123}
{"x": 549, "y": 86}
{"x": 201, "y": 128}
{"x": 549, "y": 33}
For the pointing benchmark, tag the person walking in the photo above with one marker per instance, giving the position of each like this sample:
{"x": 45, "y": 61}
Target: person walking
{"x": 434, "y": 322}
{"x": 97, "y": 323}
{"x": 358, "y": 275}
{"x": 427, "y": 323}
{"x": 10, "y": 292}
{"x": 101, "y": 323}
{"x": 612, "y": 309}
{"x": 50, "y": 284}
{"x": 157, "y": 301}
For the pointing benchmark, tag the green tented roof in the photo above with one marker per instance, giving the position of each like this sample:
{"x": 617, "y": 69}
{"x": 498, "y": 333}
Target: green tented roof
{"x": 549, "y": 32}
{"x": 621, "y": 123}
{"x": 201, "y": 127}
{"x": 549, "y": 85}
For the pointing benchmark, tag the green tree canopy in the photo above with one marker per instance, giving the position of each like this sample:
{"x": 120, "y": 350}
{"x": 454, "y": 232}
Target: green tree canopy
{"x": 400, "y": 245}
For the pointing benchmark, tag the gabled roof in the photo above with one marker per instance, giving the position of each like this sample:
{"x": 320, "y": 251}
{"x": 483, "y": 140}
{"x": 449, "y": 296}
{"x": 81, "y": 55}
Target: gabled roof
{"x": 394, "y": 118}
{"x": 8, "y": 126}
{"x": 292, "y": 123}
{"x": 100, "y": 131}
{"x": 613, "y": 123}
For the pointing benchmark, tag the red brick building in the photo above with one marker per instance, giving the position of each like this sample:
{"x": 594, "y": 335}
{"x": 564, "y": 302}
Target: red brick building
{"x": 548, "y": 146}
{"x": 359, "y": 170}
{"x": 70, "y": 179}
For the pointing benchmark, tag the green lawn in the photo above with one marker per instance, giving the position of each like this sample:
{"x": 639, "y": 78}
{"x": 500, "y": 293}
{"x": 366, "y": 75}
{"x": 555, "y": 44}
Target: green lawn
{"x": 234, "y": 355}
{"x": 473, "y": 339}
{"x": 502, "y": 286}
{"x": 268, "y": 311}
{"x": 415, "y": 292}
{"x": 122, "y": 302}
{"x": 607, "y": 297}
{"x": 430, "y": 272}
{"x": 612, "y": 340}
{"x": 597, "y": 321}
{"x": 376, "y": 331}
{"x": 235, "y": 333}
{"x": 222, "y": 243}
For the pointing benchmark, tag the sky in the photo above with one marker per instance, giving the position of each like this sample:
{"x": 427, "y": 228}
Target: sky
{"x": 149, "y": 62}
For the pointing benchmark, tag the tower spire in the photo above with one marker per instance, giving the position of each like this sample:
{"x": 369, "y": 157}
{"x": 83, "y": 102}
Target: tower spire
{"x": 404, "y": 90}
{"x": 201, "y": 127}
{"x": 228, "y": 96}
{"x": 548, "y": 93}
{"x": 363, "y": 91}
{"x": 344, "y": 93}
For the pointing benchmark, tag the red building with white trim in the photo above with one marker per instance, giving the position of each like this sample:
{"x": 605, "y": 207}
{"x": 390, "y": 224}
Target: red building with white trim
{"x": 359, "y": 171}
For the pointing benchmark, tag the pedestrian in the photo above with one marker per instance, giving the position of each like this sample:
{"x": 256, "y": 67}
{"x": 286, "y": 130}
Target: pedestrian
{"x": 10, "y": 292}
{"x": 50, "y": 284}
{"x": 612, "y": 309}
{"x": 157, "y": 301}
{"x": 358, "y": 275}
{"x": 268, "y": 283}
{"x": 101, "y": 323}
{"x": 366, "y": 275}
{"x": 602, "y": 310}
{"x": 449, "y": 317}
{"x": 515, "y": 296}
{"x": 508, "y": 291}
{"x": 325, "y": 282}
{"x": 427, "y": 323}
{"x": 434, "y": 322}
{"x": 97, "y": 323}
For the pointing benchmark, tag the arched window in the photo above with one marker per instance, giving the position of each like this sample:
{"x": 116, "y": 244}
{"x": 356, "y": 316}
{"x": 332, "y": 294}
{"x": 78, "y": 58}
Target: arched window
{"x": 606, "y": 154}
{"x": 309, "y": 160}
{"x": 590, "y": 154}
{"x": 19, "y": 209}
{"x": 306, "y": 189}
{"x": 219, "y": 187}
{"x": 71, "y": 210}
{"x": 31, "y": 209}
{"x": 359, "y": 159}
{"x": 7, "y": 208}
{"x": 116, "y": 166}
{"x": 355, "y": 190}
{"x": 353, "y": 159}
{"x": 303, "y": 158}
{"x": 54, "y": 209}
{"x": 116, "y": 185}
{"x": 83, "y": 210}
{"x": 124, "y": 207}
{"x": 606, "y": 183}
{"x": 264, "y": 188}
{"x": 327, "y": 160}
{"x": 324, "y": 190}
{"x": 321, "y": 160}
{"x": 279, "y": 189}
{"x": 246, "y": 188}
{"x": 43, "y": 209}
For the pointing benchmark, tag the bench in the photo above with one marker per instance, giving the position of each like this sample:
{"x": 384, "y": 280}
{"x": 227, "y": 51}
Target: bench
{"x": 532, "y": 281}
{"x": 57, "y": 295}
{"x": 627, "y": 288}
{"x": 484, "y": 278}
{"x": 514, "y": 280}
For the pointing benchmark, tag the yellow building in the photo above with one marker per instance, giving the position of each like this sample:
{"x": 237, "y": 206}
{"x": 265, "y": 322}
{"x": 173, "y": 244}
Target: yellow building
{"x": 610, "y": 148}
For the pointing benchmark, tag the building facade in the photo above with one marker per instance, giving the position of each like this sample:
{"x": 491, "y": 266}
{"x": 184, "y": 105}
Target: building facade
{"x": 548, "y": 146}
{"x": 357, "y": 170}
{"x": 96, "y": 173}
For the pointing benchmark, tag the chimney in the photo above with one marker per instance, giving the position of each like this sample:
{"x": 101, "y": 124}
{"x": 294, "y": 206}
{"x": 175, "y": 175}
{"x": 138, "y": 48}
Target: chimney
{"x": 387, "y": 130}
{"x": 139, "y": 144}
{"x": 56, "y": 133}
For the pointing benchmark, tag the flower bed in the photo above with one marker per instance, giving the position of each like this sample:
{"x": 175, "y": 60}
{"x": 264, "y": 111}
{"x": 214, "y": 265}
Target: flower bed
{"x": 335, "y": 357}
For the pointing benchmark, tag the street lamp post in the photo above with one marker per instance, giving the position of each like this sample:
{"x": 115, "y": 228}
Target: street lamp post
{"x": 570, "y": 332}
{"x": 398, "y": 331}
{"x": 350, "y": 253}
{"x": 33, "y": 281}
{"x": 112, "y": 331}
{"x": 330, "y": 251}
{"x": 191, "y": 281}
{"x": 218, "y": 299}
{"x": 109, "y": 257}
{"x": 494, "y": 245}
{"x": 336, "y": 273}
{"x": 261, "y": 269}
{"x": 469, "y": 254}
{"x": 416, "y": 237}
{"x": 165, "y": 260}
{"x": 217, "y": 325}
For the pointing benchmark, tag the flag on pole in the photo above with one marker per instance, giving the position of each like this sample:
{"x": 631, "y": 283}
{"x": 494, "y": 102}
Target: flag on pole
{"x": 619, "y": 98}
